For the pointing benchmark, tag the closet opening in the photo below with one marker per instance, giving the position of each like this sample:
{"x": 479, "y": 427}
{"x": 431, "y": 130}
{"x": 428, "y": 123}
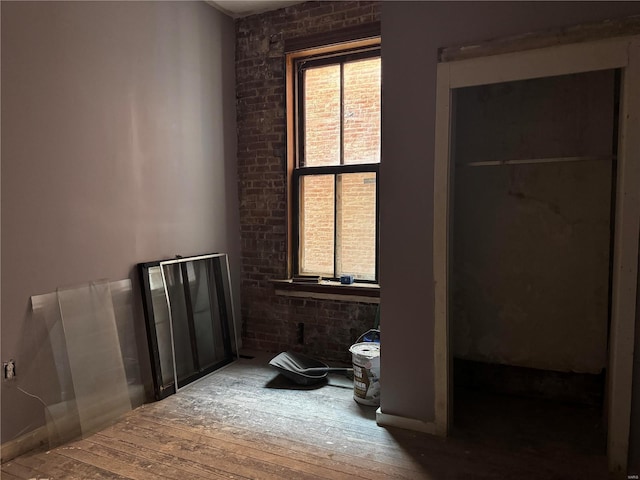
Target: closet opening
{"x": 531, "y": 228}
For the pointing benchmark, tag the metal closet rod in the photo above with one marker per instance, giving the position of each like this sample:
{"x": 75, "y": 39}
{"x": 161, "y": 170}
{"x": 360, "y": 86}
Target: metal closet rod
{"x": 535, "y": 160}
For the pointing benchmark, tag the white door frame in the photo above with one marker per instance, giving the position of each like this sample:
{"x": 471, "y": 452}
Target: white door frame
{"x": 617, "y": 53}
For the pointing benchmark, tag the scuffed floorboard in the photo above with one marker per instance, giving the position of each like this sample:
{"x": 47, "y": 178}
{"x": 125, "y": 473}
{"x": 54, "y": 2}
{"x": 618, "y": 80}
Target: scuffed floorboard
{"x": 244, "y": 422}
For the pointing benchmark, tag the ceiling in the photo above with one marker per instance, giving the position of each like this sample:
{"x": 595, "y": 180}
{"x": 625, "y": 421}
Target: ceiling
{"x": 242, "y": 8}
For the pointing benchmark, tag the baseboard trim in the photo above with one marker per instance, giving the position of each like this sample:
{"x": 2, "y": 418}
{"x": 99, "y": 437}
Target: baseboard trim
{"x": 25, "y": 443}
{"x": 388, "y": 420}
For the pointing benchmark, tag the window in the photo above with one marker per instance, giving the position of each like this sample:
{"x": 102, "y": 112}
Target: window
{"x": 335, "y": 122}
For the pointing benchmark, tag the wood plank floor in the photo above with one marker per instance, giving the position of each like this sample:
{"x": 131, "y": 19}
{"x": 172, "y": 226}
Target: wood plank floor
{"x": 246, "y": 422}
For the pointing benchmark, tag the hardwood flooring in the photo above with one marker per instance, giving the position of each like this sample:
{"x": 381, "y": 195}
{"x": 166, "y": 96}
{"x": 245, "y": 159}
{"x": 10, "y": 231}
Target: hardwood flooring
{"x": 247, "y": 422}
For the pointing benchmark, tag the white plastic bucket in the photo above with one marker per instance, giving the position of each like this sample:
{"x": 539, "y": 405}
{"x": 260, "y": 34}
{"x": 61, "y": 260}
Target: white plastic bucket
{"x": 366, "y": 373}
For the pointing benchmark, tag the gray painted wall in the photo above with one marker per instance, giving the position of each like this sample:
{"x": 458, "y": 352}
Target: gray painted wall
{"x": 118, "y": 147}
{"x": 412, "y": 32}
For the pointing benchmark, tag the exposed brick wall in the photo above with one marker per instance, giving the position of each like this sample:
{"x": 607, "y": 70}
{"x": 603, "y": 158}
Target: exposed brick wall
{"x": 270, "y": 322}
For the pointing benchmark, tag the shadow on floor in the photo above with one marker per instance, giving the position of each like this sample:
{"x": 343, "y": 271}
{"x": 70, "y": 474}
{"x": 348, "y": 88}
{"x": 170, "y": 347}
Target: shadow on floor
{"x": 501, "y": 437}
{"x": 538, "y": 425}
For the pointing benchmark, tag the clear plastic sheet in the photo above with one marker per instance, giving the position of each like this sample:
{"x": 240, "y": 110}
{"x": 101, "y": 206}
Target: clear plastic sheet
{"x": 122, "y": 297}
{"x": 93, "y": 342}
{"x": 95, "y": 358}
{"x": 61, "y": 412}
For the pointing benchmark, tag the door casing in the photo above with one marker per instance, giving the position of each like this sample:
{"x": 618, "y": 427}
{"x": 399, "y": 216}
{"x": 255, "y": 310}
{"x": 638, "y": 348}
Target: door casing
{"x": 615, "y": 53}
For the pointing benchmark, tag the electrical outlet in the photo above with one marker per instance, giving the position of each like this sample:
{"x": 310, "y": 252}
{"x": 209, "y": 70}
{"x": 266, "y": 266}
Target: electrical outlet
{"x": 9, "y": 370}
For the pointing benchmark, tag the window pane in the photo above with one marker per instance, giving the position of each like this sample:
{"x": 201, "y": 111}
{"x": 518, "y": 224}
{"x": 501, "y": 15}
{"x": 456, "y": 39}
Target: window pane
{"x": 362, "y": 111}
{"x": 317, "y": 225}
{"x": 356, "y": 218}
{"x": 206, "y": 317}
{"x": 183, "y": 353}
{"x": 322, "y": 116}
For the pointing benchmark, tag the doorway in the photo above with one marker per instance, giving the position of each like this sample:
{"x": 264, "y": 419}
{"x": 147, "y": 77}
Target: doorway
{"x": 530, "y": 259}
{"x": 617, "y": 351}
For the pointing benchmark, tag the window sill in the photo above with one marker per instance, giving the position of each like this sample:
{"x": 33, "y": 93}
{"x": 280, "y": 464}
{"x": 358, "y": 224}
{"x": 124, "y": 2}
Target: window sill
{"x": 328, "y": 290}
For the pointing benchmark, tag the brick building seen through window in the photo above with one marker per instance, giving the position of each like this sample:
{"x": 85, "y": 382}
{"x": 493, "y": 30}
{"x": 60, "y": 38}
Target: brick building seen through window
{"x": 337, "y": 124}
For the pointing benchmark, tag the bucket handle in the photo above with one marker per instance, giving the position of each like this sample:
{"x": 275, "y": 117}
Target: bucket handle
{"x": 372, "y": 335}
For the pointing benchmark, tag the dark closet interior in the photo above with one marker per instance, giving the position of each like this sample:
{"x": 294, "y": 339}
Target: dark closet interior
{"x": 535, "y": 163}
